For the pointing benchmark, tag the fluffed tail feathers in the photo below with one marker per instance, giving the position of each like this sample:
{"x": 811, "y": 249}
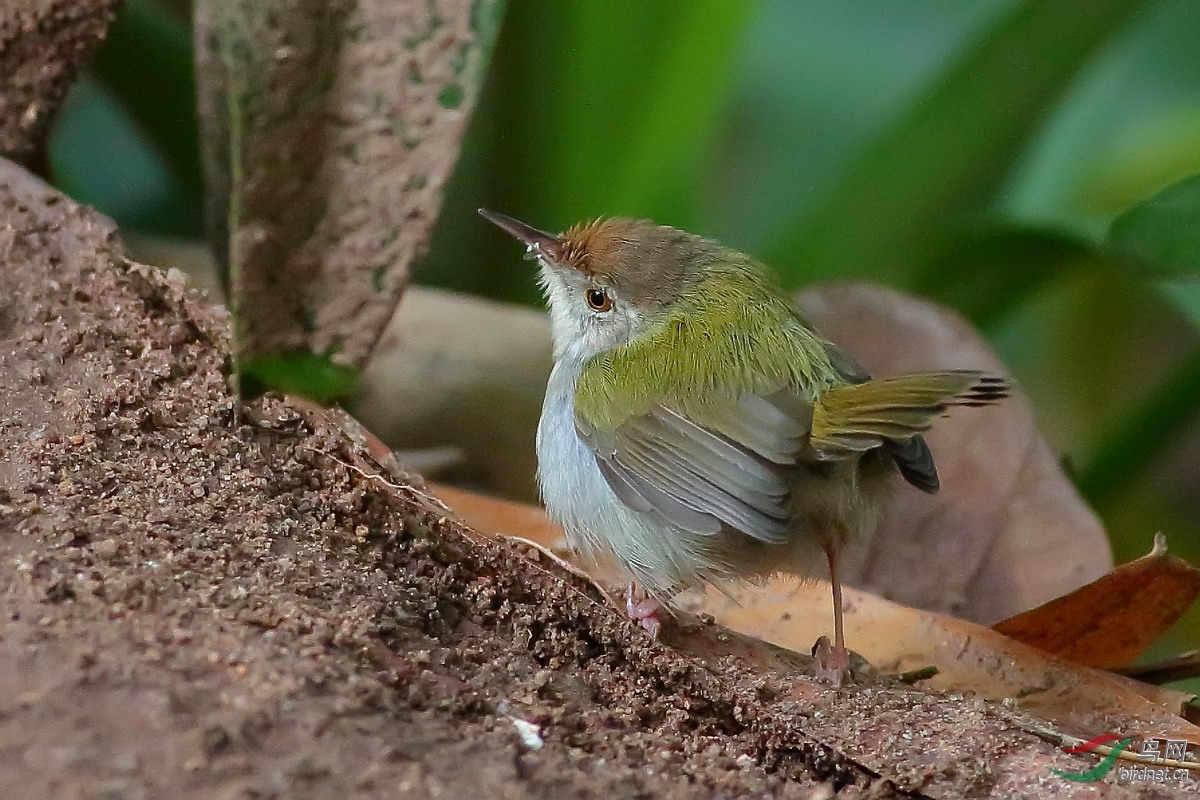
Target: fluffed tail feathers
{"x": 891, "y": 412}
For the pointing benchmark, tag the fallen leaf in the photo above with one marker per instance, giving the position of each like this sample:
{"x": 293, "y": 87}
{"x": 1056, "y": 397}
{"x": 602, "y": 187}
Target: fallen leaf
{"x": 968, "y": 657}
{"x": 1111, "y": 621}
{"x": 497, "y": 517}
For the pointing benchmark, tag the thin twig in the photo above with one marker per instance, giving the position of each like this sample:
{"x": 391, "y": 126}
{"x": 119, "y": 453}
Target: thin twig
{"x": 374, "y": 477}
{"x": 566, "y": 566}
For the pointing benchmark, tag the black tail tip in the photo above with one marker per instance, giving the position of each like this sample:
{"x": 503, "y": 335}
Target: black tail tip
{"x": 988, "y": 389}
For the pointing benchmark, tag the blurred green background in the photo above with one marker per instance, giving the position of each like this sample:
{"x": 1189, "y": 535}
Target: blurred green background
{"x": 974, "y": 152}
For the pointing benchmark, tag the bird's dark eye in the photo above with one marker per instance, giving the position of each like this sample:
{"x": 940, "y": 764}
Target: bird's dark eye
{"x": 598, "y": 300}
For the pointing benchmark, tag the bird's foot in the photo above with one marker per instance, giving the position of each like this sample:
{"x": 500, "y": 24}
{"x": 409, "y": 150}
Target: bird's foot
{"x": 832, "y": 663}
{"x": 643, "y": 610}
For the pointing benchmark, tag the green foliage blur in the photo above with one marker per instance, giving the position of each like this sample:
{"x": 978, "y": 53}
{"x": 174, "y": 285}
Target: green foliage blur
{"x": 976, "y": 153}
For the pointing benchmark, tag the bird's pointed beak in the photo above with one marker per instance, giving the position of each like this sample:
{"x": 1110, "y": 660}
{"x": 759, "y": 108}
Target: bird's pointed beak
{"x": 535, "y": 241}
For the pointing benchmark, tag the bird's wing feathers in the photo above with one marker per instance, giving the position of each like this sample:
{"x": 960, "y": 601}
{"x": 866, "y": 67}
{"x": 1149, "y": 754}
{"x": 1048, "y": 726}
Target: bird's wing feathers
{"x": 713, "y": 435}
{"x": 915, "y": 462}
{"x": 846, "y": 365}
{"x": 727, "y": 470}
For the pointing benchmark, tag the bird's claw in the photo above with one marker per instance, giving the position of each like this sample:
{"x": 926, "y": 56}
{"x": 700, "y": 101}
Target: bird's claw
{"x": 832, "y": 663}
{"x": 643, "y": 610}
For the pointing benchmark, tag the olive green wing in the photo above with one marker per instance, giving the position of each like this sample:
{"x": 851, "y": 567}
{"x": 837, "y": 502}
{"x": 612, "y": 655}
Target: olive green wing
{"x": 701, "y": 420}
{"x": 728, "y": 460}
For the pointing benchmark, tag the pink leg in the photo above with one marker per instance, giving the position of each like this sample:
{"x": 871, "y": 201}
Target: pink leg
{"x": 833, "y": 662}
{"x": 643, "y": 609}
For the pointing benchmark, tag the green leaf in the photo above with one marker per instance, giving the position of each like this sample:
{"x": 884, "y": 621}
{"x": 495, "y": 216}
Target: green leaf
{"x": 100, "y": 156}
{"x": 1159, "y": 237}
{"x": 951, "y": 152}
{"x": 304, "y": 374}
{"x": 679, "y": 113}
{"x": 1185, "y": 294}
{"x": 147, "y": 65}
{"x": 1162, "y": 235}
{"x": 617, "y": 112}
{"x": 127, "y": 139}
{"x": 1156, "y": 153}
{"x": 1135, "y": 442}
{"x": 987, "y": 271}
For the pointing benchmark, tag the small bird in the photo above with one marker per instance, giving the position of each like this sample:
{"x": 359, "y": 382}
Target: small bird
{"x": 697, "y": 430}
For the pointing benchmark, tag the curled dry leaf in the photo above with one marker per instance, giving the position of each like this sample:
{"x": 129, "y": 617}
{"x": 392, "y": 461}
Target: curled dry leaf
{"x": 1111, "y": 621}
{"x": 330, "y": 129}
{"x": 1007, "y": 531}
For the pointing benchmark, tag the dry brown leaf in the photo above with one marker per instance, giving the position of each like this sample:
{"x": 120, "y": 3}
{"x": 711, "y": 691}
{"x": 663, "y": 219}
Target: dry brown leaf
{"x": 498, "y": 517}
{"x": 1007, "y": 531}
{"x": 1111, "y": 621}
